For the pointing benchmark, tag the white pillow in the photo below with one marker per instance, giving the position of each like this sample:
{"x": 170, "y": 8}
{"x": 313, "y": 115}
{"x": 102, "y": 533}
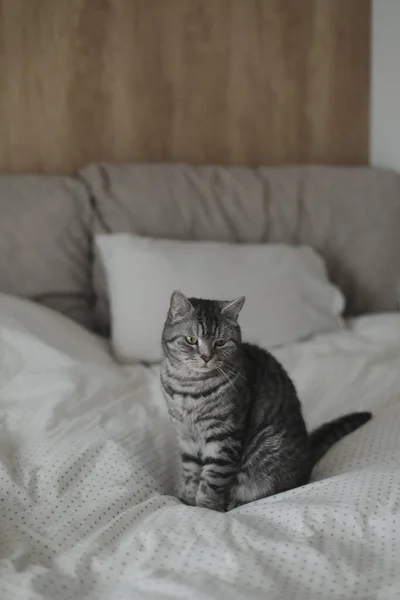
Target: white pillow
{"x": 288, "y": 295}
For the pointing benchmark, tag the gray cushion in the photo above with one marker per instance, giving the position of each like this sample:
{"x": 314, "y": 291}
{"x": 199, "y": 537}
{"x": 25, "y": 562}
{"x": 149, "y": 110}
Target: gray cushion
{"x": 45, "y": 243}
{"x": 351, "y": 215}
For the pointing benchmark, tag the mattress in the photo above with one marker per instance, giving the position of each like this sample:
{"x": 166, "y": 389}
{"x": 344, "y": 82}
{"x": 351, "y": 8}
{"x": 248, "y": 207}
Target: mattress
{"x": 89, "y": 472}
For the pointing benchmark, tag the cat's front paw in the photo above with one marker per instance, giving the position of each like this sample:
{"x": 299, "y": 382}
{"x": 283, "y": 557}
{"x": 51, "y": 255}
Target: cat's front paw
{"x": 211, "y": 503}
{"x": 234, "y": 499}
{"x": 232, "y": 504}
{"x": 187, "y": 501}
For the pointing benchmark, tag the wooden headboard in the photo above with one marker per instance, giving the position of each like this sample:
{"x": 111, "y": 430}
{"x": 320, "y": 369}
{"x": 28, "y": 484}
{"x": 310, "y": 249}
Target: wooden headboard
{"x": 204, "y": 81}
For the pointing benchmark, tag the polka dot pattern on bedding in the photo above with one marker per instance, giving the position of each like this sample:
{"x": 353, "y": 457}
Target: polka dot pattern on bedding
{"x": 89, "y": 472}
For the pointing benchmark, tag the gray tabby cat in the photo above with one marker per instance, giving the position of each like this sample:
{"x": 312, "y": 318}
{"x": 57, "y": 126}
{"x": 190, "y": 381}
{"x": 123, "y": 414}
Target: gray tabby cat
{"x": 236, "y": 412}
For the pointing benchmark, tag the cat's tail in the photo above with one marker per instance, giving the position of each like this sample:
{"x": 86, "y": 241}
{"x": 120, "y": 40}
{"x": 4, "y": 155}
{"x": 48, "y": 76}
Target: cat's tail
{"x": 322, "y": 438}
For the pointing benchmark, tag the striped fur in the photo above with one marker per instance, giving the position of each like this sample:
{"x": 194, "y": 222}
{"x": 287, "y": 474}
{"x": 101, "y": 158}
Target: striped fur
{"x": 237, "y": 416}
{"x": 324, "y": 437}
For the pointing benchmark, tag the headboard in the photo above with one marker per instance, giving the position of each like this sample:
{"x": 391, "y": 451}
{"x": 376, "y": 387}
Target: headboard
{"x": 351, "y": 215}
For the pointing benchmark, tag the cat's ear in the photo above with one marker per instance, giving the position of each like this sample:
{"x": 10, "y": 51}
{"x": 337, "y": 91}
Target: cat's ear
{"x": 232, "y": 309}
{"x": 179, "y": 305}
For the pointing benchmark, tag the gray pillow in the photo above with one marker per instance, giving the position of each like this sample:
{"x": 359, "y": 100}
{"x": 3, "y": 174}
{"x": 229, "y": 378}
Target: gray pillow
{"x": 45, "y": 243}
{"x": 350, "y": 215}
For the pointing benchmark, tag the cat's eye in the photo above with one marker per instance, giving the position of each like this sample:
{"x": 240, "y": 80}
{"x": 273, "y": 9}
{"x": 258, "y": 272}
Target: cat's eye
{"x": 219, "y": 343}
{"x": 192, "y": 341}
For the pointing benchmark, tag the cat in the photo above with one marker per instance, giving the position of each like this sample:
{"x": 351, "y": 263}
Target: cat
{"x": 236, "y": 412}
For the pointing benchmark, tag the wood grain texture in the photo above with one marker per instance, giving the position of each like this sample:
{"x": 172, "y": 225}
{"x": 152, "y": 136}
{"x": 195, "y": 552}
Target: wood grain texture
{"x": 205, "y": 81}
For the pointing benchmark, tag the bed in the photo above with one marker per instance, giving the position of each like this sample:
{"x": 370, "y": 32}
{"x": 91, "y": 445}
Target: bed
{"x": 88, "y": 459}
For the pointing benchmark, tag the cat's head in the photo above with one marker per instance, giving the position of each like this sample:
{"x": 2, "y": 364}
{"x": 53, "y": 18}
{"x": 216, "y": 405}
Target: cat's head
{"x": 202, "y": 335}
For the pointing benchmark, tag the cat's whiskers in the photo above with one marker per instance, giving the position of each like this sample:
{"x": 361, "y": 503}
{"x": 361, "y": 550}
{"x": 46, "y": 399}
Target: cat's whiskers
{"x": 233, "y": 372}
{"x": 232, "y": 383}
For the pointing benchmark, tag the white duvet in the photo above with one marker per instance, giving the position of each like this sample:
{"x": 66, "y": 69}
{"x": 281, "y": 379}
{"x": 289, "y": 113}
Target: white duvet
{"x": 88, "y": 470}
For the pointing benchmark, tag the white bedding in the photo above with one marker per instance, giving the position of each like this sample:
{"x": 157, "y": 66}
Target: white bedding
{"x": 88, "y": 469}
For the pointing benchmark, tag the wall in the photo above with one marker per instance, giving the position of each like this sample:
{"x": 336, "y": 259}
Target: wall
{"x": 219, "y": 81}
{"x": 385, "y": 84}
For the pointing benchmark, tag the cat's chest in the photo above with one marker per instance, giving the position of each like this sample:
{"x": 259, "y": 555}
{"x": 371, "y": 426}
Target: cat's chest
{"x": 191, "y": 414}
{"x": 183, "y": 407}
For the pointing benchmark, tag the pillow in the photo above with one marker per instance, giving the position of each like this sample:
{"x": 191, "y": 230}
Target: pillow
{"x": 349, "y": 215}
{"x": 288, "y": 295}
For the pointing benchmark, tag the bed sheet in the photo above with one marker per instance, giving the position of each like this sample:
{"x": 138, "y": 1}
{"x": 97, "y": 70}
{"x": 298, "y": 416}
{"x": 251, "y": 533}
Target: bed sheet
{"x": 89, "y": 469}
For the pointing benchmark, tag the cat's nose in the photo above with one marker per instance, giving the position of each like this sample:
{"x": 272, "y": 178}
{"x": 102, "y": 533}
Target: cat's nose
{"x": 205, "y": 358}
